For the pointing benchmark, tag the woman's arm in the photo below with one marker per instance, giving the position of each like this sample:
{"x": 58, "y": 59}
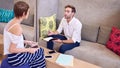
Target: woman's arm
{"x": 17, "y": 30}
{"x": 31, "y": 43}
{"x": 14, "y": 49}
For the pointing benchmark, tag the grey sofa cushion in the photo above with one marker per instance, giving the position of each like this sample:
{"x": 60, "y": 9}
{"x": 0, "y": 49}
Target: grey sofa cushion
{"x": 6, "y": 4}
{"x": 103, "y": 34}
{"x": 96, "y": 54}
{"x": 28, "y": 32}
{"x": 29, "y": 21}
{"x": 2, "y": 25}
{"x": 89, "y": 32}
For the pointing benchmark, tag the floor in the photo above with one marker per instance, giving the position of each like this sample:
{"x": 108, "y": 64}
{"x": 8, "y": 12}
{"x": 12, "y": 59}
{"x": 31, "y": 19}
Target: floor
{"x": 0, "y": 59}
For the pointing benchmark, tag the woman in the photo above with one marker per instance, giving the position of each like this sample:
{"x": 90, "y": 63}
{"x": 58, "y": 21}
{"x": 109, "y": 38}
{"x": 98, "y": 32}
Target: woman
{"x": 14, "y": 48}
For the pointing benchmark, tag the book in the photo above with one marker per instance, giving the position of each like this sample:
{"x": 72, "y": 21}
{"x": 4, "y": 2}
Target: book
{"x": 48, "y": 38}
{"x": 66, "y": 60}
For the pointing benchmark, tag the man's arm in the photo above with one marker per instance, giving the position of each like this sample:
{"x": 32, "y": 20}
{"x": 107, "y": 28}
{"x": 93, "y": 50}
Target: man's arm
{"x": 64, "y": 41}
{"x": 68, "y": 41}
{"x": 58, "y": 31}
{"x": 52, "y": 33}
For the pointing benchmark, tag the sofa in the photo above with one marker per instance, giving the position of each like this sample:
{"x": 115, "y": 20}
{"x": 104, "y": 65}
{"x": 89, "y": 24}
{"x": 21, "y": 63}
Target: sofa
{"x": 92, "y": 47}
{"x": 27, "y": 25}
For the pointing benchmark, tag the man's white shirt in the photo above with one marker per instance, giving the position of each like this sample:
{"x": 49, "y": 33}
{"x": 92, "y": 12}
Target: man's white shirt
{"x": 71, "y": 29}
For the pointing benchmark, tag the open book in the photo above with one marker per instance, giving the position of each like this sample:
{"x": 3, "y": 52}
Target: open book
{"x": 48, "y": 38}
{"x": 66, "y": 60}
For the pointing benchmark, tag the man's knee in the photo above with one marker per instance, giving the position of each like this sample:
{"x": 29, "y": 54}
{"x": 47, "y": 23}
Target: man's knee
{"x": 50, "y": 44}
{"x": 62, "y": 49}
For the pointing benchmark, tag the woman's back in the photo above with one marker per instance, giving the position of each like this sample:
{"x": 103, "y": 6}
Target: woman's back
{"x": 10, "y": 37}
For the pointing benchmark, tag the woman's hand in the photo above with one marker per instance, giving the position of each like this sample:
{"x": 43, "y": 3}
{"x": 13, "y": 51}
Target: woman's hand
{"x": 34, "y": 44}
{"x": 32, "y": 50}
{"x": 31, "y": 43}
{"x": 28, "y": 42}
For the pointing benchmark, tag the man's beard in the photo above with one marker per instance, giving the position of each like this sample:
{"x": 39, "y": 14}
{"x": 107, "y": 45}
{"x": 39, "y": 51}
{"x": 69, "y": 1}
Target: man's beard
{"x": 67, "y": 17}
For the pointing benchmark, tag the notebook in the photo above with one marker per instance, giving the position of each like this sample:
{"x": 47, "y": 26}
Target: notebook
{"x": 48, "y": 38}
{"x": 66, "y": 60}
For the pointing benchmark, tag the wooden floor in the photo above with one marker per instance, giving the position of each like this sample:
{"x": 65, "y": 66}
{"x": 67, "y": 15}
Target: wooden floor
{"x": 0, "y": 59}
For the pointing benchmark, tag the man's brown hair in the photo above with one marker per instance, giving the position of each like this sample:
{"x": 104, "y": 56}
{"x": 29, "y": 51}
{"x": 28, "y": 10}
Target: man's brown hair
{"x": 20, "y": 7}
{"x": 72, "y": 7}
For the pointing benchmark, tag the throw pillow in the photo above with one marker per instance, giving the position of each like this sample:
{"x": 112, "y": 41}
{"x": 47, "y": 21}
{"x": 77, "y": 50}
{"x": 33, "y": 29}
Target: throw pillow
{"x": 92, "y": 32}
{"x": 114, "y": 41}
{"x": 6, "y": 15}
{"x": 47, "y": 24}
{"x": 103, "y": 35}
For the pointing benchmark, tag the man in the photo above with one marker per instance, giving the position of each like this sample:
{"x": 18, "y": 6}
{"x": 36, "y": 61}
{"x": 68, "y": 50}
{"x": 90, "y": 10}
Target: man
{"x": 72, "y": 31}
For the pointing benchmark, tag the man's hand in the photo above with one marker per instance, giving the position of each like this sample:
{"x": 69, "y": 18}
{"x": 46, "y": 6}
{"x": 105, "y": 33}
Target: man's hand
{"x": 58, "y": 40}
{"x": 50, "y": 33}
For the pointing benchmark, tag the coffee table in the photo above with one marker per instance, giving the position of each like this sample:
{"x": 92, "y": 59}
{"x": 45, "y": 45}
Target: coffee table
{"x": 1, "y": 45}
{"x": 77, "y": 63}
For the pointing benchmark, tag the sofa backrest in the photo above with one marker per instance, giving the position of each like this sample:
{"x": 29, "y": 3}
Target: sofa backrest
{"x": 89, "y": 32}
{"x": 99, "y": 12}
{"x": 29, "y": 21}
{"x": 7, "y": 4}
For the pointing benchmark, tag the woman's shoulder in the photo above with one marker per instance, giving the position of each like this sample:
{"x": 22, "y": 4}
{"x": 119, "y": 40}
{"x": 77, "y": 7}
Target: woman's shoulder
{"x": 15, "y": 29}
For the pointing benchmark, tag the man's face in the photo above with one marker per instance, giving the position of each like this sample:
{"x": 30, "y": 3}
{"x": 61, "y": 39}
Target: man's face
{"x": 68, "y": 13}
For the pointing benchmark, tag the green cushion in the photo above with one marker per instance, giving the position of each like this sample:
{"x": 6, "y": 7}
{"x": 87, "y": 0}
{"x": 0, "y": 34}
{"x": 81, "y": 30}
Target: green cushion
{"x": 47, "y": 24}
{"x": 6, "y": 15}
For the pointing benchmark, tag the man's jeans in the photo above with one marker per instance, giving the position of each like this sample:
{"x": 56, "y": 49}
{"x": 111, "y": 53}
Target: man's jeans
{"x": 64, "y": 47}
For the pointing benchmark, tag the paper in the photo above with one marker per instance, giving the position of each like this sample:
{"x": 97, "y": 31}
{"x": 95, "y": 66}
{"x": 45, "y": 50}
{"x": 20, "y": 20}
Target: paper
{"x": 66, "y": 60}
{"x": 48, "y": 38}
